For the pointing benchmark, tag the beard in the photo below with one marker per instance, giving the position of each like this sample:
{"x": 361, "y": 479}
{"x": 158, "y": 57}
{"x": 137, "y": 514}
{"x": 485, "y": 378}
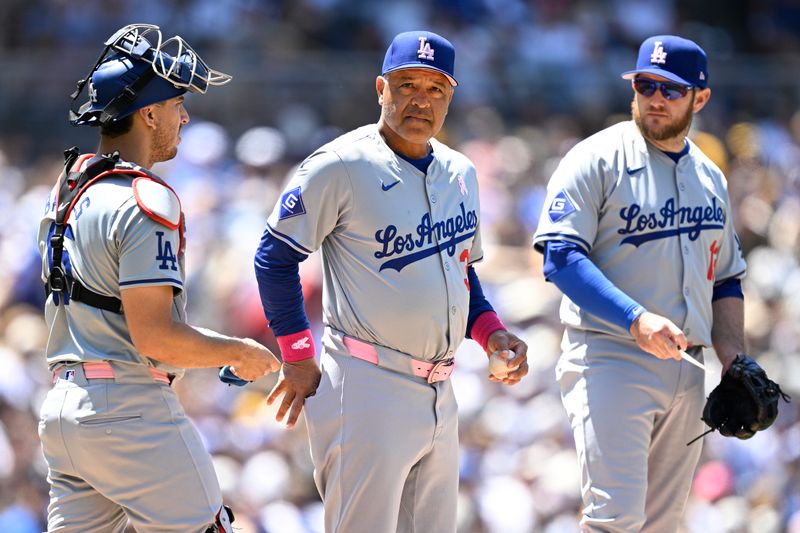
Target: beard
{"x": 677, "y": 128}
{"x": 163, "y": 146}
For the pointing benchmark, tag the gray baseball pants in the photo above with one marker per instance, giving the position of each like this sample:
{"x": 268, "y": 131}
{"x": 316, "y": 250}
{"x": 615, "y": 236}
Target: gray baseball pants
{"x": 385, "y": 449}
{"x": 118, "y": 451}
{"x": 631, "y": 415}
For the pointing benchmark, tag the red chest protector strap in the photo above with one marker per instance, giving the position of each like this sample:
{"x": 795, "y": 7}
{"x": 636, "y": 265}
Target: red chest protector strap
{"x": 71, "y": 185}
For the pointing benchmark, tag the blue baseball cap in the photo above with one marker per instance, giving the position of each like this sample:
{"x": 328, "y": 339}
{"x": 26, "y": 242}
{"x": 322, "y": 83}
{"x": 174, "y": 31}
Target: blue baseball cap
{"x": 421, "y": 49}
{"x": 672, "y": 57}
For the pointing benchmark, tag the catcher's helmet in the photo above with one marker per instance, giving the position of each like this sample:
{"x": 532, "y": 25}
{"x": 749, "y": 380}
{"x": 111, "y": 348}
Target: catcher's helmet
{"x": 140, "y": 71}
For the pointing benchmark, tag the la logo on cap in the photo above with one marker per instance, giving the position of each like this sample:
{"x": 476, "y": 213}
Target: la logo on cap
{"x": 677, "y": 59}
{"x": 425, "y": 51}
{"x": 659, "y": 56}
{"x": 92, "y": 92}
{"x": 421, "y": 49}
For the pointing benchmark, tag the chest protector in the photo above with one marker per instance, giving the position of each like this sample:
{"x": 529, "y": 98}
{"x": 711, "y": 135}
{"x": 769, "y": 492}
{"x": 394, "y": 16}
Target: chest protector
{"x": 71, "y": 185}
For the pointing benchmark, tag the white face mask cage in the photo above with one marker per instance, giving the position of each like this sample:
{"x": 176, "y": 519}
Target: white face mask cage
{"x": 172, "y": 59}
{"x": 135, "y": 39}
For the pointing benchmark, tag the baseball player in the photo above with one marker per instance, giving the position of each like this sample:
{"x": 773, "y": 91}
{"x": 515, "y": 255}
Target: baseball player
{"x": 117, "y": 443}
{"x": 397, "y": 217}
{"x": 637, "y": 232}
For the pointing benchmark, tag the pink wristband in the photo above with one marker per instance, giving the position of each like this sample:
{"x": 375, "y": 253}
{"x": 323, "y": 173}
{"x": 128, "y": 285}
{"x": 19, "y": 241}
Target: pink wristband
{"x": 297, "y": 346}
{"x": 487, "y": 323}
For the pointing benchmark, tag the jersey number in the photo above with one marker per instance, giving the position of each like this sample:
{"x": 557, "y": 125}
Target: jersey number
{"x": 712, "y": 262}
{"x": 464, "y": 258}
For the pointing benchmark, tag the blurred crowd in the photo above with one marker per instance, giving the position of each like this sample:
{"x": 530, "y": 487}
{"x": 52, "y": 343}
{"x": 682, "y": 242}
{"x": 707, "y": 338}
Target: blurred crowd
{"x": 515, "y": 115}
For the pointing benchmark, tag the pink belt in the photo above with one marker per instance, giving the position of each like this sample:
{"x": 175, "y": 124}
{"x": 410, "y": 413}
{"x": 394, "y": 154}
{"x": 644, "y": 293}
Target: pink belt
{"x": 432, "y": 372}
{"x": 104, "y": 370}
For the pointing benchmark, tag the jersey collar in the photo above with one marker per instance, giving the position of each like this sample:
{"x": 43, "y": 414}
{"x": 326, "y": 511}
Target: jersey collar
{"x": 635, "y": 148}
{"x": 637, "y": 152}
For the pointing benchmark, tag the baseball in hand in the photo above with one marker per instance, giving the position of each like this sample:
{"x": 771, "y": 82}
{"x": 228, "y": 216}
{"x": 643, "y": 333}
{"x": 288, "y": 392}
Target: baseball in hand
{"x": 498, "y": 366}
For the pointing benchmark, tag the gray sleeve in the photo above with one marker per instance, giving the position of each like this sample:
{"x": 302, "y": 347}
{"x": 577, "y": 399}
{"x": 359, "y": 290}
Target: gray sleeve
{"x": 316, "y": 201}
{"x": 574, "y": 198}
{"x": 476, "y": 250}
{"x": 730, "y": 261}
{"x": 148, "y": 251}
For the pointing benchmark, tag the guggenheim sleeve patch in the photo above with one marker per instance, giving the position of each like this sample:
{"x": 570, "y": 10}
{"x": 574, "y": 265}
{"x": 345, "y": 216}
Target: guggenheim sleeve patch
{"x": 560, "y": 207}
{"x": 158, "y": 201}
{"x": 292, "y": 204}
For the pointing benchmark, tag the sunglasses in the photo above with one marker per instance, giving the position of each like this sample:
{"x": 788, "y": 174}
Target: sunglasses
{"x": 670, "y": 91}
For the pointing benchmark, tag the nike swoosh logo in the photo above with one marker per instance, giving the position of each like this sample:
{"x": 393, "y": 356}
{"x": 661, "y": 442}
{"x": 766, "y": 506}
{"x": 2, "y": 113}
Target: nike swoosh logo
{"x": 387, "y": 187}
{"x": 632, "y": 171}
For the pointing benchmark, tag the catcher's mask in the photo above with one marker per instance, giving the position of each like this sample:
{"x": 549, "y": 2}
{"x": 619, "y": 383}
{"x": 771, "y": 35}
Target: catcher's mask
{"x": 138, "y": 68}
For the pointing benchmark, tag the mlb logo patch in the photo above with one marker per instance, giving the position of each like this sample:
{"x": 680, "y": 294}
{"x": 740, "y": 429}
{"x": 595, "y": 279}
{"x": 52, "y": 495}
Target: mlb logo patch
{"x": 292, "y": 204}
{"x": 69, "y": 375}
{"x": 560, "y": 207}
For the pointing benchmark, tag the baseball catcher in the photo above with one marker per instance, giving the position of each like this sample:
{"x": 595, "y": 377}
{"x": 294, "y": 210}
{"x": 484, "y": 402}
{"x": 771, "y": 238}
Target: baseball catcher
{"x": 118, "y": 445}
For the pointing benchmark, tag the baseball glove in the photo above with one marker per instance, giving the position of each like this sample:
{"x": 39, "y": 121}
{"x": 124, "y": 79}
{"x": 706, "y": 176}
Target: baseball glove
{"x": 744, "y": 402}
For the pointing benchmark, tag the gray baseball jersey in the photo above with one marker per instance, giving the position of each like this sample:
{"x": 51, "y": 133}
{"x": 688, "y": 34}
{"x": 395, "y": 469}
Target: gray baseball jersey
{"x": 119, "y": 246}
{"x": 636, "y": 212}
{"x": 662, "y": 232}
{"x": 109, "y": 441}
{"x": 396, "y": 243}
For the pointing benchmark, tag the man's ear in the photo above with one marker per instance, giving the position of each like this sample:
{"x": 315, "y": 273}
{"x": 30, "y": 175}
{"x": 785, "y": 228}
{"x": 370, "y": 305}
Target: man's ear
{"x": 147, "y": 115}
{"x": 380, "y": 83}
{"x": 701, "y": 99}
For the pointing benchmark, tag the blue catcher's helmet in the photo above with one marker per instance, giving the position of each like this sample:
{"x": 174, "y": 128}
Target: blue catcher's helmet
{"x": 110, "y": 80}
{"x": 139, "y": 73}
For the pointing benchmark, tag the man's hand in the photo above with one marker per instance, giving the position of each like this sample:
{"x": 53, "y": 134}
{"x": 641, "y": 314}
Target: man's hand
{"x": 500, "y": 341}
{"x": 658, "y": 336}
{"x": 297, "y": 382}
{"x": 254, "y": 361}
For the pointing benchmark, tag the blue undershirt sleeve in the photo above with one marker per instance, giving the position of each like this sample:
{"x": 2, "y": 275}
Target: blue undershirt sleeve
{"x": 278, "y": 277}
{"x": 729, "y": 287}
{"x": 568, "y": 267}
{"x": 477, "y": 301}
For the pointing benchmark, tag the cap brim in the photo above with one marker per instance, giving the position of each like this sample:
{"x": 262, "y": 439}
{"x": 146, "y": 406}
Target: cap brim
{"x": 405, "y": 66}
{"x": 656, "y": 72}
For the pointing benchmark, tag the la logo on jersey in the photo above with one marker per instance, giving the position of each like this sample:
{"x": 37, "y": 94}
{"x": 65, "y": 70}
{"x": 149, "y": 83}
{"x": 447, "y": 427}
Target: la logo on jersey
{"x": 292, "y": 204}
{"x": 165, "y": 253}
{"x": 659, "y": 56}
{"x": 425, "y": 51}
{"x": 560, "y": 207}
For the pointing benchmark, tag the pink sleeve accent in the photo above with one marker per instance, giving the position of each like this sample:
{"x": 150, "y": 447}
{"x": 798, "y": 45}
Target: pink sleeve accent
{"x": 297, "y": 346}
{"x": 487, "y": 323}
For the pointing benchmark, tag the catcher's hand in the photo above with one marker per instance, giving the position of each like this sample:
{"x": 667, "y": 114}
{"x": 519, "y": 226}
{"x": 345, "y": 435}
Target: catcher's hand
{"x": 744, "y": 402}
